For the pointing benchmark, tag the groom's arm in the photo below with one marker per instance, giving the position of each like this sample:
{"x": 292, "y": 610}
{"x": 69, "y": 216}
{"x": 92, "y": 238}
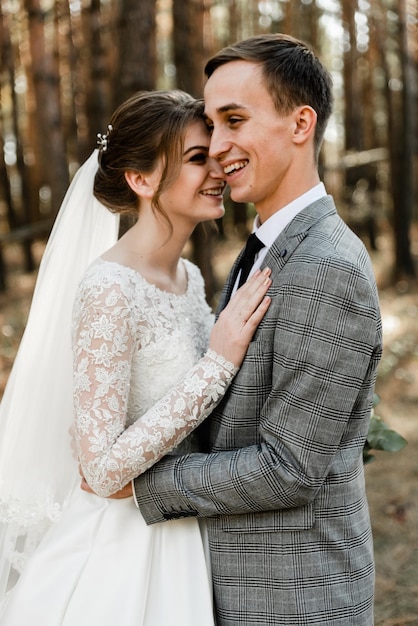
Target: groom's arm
{"x": 326, "y": 350}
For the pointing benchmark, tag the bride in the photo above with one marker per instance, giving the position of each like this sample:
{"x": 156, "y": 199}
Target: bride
{"x": 119, "y": 363}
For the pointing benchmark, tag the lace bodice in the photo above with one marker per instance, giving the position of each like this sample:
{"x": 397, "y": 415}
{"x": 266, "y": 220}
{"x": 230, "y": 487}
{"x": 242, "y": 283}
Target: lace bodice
{"x": 141, "y": 384}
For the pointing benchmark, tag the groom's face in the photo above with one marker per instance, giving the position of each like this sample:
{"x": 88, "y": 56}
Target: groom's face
{"x": 250, "y": 139}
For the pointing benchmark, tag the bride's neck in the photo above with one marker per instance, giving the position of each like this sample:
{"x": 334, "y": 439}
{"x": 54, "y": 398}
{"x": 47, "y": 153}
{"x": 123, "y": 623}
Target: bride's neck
{"x": 154, "y": 253}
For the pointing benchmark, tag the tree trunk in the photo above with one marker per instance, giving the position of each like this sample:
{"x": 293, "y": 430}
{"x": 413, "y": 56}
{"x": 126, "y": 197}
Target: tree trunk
{"x": 46, "y": 79}
{"x": 137, "y": 65}
{"x": 189, "y": 56}
{"x": 98, "y": 96}
{"x": 7, "y": 64}
{"x": 400, "y": 133}
{"x": 352, "y": 82}
{"x": 27, "y": 211}
{"x": 403, "y": 146}
{"x": 188, "y": 42}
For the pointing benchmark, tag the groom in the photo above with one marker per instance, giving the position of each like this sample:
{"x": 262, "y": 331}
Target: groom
{"x": 281, "y": 483}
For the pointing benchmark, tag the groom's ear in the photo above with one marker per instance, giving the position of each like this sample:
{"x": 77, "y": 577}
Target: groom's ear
{"x": 305, "y": 123}
{"x": 143, "y": 185}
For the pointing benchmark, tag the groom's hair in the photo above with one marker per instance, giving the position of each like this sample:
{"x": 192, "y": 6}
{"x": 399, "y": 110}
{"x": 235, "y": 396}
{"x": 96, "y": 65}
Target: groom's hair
{"x": 292, "y": 73}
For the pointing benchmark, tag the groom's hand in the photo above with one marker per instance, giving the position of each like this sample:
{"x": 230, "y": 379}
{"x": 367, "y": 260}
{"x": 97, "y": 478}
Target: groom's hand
{"x": 125, "y": 492}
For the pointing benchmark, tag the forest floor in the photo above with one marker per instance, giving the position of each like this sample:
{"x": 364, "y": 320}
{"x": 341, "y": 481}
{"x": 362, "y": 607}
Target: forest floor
{"x": 392, "y": 478}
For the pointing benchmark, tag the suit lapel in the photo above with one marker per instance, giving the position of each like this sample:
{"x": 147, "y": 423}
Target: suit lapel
{"x": 295, "y": 232}
{"x": 286, "y": 243}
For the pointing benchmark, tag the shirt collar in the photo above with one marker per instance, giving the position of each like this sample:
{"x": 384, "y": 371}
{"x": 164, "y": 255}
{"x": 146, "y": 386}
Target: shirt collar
{"x": 271, "y": 229}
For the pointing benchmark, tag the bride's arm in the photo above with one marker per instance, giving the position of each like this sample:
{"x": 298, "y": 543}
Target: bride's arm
{"x": 112, "y": 454}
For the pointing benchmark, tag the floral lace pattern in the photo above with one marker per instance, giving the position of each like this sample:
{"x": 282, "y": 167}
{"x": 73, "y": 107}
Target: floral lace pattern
{"x": 141, "y": 384}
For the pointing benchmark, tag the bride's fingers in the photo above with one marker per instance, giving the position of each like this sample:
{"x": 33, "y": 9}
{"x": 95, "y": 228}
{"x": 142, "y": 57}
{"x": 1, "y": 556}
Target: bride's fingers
{"x": 253, "y": 320}
{"x": 251, "y": 291}
{"x": 254, "y": 281}
{"x": 250, "y": 295}
{"x": 238, "y": 321}
{"x": 254, "y": 297}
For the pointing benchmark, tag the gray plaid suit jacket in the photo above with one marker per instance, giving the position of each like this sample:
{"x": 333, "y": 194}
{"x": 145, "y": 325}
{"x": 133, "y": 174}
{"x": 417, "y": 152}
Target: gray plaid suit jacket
{"x": 281, "y": 481}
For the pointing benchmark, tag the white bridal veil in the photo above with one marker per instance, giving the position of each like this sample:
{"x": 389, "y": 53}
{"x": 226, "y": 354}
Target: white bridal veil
{"x": 37, "y": 469}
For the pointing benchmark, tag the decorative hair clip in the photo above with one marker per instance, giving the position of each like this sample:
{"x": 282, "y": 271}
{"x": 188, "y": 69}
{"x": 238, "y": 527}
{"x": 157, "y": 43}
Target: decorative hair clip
{"x": 102, "y": 140}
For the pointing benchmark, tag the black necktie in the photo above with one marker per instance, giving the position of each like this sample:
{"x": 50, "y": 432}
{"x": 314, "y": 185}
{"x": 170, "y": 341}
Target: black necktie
{"x": 253, "y": 246}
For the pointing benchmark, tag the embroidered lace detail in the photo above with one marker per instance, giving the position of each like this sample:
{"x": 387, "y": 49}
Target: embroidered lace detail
{"x": 141, "y": 382}
{"x": 222, "y": 361}
{"x": 22, "y": 525}
{"x": 12, "y": 510}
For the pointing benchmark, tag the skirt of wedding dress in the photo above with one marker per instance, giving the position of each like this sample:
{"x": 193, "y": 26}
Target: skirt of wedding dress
{"x": 101, "y": 565}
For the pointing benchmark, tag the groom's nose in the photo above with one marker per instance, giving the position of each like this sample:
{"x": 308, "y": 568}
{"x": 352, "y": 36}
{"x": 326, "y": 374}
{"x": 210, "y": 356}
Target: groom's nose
{"x": 219, "y": 144}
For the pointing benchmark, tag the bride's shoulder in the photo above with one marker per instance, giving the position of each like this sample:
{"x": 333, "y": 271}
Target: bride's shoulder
{"x": 105, "y": 277}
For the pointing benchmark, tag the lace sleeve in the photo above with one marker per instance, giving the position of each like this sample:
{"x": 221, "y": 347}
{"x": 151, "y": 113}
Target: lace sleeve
{"x": 111, "y": 454}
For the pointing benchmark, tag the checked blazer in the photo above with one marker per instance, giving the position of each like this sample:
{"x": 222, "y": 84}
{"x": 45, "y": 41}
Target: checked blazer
{"x": 280, "y": 476}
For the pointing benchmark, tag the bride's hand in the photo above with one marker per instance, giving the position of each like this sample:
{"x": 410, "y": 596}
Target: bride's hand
{"x": 238, "y": 321}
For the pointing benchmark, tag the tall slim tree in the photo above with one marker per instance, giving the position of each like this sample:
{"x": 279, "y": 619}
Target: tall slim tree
{"x": 352, "y": 81}
{"x": 46, "y": 79}
{"x": 189, "y": 57}
{"x": 97, "y": 42}
{"x": 188, "y": 45}
{"x": 23, "y": 211}
{"x": 400, "y": 113}
{"x": 136, "y": 41}
{"x": 404, "y": 190}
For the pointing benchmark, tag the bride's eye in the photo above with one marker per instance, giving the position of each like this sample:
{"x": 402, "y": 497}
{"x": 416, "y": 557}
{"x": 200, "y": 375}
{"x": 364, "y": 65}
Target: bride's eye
{"x": 199, "y": 157}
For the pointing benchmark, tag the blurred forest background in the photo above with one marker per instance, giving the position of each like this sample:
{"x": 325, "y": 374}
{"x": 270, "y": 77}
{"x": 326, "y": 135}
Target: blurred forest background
{"x": 67, "y": 64}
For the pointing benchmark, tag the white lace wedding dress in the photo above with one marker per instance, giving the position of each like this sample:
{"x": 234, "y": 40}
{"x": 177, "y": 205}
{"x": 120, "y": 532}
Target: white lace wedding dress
{"x": 140, "y": 349}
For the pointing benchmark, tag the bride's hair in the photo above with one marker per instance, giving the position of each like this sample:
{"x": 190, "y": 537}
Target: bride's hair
{"x": 148, "y": 129}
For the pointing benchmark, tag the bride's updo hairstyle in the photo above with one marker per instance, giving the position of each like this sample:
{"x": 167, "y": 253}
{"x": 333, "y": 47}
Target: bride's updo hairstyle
{"x": 148, "y": 129}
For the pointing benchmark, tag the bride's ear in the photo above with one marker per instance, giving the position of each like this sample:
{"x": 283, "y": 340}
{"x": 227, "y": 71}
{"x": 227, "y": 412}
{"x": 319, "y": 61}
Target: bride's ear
{"x": 142, "y": 185}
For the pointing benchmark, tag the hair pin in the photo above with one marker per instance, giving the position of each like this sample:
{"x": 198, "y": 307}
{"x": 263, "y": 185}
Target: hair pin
{"x": 103, "y": 139}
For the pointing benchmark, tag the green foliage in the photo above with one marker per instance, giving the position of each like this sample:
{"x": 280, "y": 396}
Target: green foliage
{"x": 381, "y": 437}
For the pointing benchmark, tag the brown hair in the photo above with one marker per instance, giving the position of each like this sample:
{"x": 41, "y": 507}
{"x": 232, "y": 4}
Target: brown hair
{"x": 293, "y": 75}
{"x": 146, "y": 129}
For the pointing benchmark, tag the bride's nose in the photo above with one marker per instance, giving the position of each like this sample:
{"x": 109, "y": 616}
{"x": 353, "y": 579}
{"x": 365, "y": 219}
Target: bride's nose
{"x": 216, "y": 169}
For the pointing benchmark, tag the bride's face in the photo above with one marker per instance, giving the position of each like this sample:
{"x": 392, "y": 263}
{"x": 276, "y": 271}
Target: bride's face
{"x": 196, "y": 195}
